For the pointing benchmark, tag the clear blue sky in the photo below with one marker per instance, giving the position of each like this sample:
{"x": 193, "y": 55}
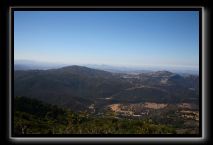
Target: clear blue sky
{"x": 131, "y": 38}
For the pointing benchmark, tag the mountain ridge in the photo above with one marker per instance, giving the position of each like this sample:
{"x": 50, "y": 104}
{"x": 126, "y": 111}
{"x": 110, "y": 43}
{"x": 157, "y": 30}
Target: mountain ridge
{"x": 78, "y": 87}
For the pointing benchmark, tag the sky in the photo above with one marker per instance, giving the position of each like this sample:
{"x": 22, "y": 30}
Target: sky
{"x": 120, "y": 38}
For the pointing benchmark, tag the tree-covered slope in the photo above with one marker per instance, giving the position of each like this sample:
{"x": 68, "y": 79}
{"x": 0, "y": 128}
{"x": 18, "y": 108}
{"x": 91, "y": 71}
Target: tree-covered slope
{"x": 35, "y": 117}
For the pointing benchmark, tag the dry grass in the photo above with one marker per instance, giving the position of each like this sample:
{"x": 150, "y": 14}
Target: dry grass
{"x": 155, "y": 105}
{"x": 185, "y": 106}
{"x": 115, "y": 107}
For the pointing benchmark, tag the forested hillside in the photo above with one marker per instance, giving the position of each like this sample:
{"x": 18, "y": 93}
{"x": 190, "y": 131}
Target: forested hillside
{"x": 77, "y": 87}
{"x": 81, "y": 100}
{"x": 35, "y": 117}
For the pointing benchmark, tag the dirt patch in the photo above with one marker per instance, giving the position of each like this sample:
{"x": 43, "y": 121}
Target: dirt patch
{"x": 155, "y": 105}
{"x": 185, "y": 106}
{"x": 115, "y": 107}
{"x": 190, "y": 114}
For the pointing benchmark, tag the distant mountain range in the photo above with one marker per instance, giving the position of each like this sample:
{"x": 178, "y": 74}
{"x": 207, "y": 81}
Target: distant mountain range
{"x": 77, "y": 87}
{"x": 32, "y": 65}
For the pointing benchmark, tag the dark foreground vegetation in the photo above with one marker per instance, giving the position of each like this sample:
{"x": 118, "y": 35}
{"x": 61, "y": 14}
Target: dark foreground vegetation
{"x": 35, "y": 117}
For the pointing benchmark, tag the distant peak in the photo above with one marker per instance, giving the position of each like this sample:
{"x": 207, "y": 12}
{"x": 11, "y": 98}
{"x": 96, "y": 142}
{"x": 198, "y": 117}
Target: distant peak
{"x": 162, "y": 72}
{"x": 76, "y": 69}
{"x": 73, "y": 67}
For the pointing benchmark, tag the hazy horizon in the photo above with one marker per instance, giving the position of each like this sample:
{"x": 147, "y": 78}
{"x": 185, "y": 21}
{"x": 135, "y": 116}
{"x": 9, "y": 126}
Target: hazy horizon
{"x": 50, "y": 65}
{"x": 118, "y": 38}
